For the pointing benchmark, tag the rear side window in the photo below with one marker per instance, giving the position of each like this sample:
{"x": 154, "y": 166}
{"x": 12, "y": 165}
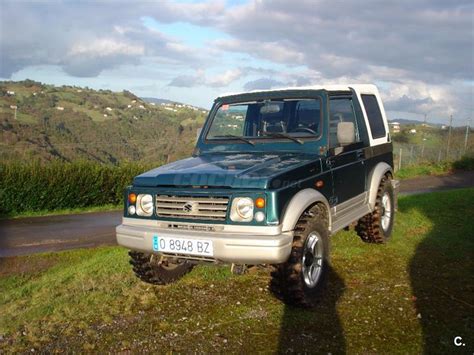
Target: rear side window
{"x": 374, "y": 115}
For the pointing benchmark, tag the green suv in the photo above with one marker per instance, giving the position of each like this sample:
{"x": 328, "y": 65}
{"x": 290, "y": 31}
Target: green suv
{"x": 274, "y": 174}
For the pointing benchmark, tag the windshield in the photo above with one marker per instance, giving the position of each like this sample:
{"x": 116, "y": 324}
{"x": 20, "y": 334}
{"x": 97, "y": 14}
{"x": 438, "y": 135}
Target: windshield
{"x": 276, "y": 119}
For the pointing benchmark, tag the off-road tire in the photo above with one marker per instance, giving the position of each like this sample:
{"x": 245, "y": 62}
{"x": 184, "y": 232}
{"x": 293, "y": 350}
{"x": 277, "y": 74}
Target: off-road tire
{"x": 287, "y": 282}
{"x": 148, "y": 268}
{"x": 369, "y": 228}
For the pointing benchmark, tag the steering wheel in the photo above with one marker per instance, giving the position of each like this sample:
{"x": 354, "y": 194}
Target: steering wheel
{"x": 305, "y": 129}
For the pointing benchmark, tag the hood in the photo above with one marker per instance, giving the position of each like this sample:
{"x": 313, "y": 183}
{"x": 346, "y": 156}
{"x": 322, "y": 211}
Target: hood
{"x": 255, "y": 171}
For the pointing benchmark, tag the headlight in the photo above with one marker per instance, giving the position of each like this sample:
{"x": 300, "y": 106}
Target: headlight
{"x": 144, "y": 205}
{"x": 242, "y": 209}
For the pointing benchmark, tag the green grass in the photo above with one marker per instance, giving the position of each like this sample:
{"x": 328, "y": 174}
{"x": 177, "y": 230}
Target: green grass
{"x": 424, "y": 169}
{"x": 411, "y": 295}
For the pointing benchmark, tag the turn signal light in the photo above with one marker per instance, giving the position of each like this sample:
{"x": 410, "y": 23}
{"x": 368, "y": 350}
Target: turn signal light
{"x": 260, "y": 202}
{"x": 132, "y": 198}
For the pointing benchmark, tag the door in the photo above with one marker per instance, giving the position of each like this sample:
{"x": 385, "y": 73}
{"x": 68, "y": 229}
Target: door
{"x": 345, "y": 161}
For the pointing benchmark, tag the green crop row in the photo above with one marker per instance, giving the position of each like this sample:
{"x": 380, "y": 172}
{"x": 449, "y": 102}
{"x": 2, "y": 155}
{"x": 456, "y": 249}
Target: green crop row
{"x": 57, "y": 185}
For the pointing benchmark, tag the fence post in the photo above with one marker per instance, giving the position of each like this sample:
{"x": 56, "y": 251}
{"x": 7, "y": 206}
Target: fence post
{"x": 400, "y": 160}
{"x": 439, "y": 156}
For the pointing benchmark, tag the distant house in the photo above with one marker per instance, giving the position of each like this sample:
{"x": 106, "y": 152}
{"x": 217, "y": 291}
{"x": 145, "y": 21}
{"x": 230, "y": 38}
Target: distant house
{"x": 59, "y": 108}
{"x": 13, "y": 107}
{"x": 129, "y": 106}
{"x": 10, "y": 92}
{"x": 105, "y": 115}
{"x": 443, "y": 126}
{"x": 395, "y": 127}
{"x": 133, "y": 101}
{"x": 152, "y": 103}
{"x": 108, "y": 108}
{"x": 413, "y": 131}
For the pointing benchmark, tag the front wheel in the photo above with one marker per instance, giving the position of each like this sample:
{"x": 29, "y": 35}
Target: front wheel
{"x": 301, "y": 279}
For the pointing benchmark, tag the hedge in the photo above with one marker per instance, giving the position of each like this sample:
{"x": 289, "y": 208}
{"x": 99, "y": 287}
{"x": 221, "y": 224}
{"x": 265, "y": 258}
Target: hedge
{"x": 57, "y": 185}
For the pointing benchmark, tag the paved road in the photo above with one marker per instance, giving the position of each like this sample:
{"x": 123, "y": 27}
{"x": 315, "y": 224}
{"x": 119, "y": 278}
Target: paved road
{"x": 40, "y": 234}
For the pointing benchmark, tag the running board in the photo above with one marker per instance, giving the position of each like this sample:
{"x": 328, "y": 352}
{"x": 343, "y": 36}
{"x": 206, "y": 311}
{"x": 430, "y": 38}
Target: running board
{"x": 349, "y": 211}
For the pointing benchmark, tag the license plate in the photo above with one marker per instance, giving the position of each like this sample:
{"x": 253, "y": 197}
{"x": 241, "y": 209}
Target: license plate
{"x": 183, "y": 246}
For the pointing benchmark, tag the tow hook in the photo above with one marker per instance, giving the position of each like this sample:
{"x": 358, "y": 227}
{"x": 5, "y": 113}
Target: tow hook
{"x": 238, "y": 269}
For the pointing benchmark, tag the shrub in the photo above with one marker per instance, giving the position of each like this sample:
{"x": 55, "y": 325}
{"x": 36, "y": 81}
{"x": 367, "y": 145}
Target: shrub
{"x": 465, "y": 163}
{"x": 58, "y": 185}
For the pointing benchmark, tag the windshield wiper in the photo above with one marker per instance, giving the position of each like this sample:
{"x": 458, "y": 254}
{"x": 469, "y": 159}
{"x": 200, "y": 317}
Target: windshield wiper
{"x": 236, "y": 137}
{"x": 283, "y": 135}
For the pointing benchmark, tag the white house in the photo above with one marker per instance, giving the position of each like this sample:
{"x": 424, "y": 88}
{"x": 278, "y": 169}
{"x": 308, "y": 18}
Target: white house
{"x": 395, "y": 127}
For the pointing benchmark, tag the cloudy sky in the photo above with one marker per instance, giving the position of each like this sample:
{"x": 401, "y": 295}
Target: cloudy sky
{"x": 419, "y": 53}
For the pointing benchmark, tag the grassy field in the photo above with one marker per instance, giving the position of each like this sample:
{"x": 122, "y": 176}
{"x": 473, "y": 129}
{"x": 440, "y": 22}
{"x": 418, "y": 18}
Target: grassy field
{"x": 424, "y": 169}
{"x": 411, "y": 295}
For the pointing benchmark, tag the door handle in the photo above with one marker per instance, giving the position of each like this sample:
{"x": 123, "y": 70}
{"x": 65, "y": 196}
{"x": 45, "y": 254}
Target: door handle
{"x": 360, "y": 154}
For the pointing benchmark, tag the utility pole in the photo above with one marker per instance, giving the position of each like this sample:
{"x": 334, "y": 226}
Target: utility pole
{"x": 14, "y": 107}
{"x": 449, "y": 136}
{"x": 468, "y": 128}
{"x": 423, "y": 138}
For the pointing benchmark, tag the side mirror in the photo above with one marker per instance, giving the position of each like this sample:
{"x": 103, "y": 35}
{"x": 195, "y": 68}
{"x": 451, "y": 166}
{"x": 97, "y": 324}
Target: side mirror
{"x": 346, "y": 133}
{"x": 198, "y": 133}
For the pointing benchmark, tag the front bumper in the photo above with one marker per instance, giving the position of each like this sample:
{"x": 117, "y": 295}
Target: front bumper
{"x": 241, "y": 245}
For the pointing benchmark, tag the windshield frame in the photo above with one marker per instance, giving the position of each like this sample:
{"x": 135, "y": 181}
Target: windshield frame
{"x": 263, "y": 139}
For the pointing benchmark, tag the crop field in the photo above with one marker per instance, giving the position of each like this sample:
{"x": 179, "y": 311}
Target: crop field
{"x": 412, "y": 295}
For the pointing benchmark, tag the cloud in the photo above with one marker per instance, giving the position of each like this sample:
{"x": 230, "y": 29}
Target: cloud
{"x": 425, "y": 38}
{"x": 419, "y": 52}
{"x": 185, "y": 81}
{"x": 277, "y": 51}
{"x": 225, "y": 78}
{"x": 83, "y": 38}
{"x": 200, "y": 78}
{"x": 263, "y": 84}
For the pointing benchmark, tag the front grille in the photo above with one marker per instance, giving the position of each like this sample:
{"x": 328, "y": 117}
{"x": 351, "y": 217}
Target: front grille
{"x": 192, "y": 207}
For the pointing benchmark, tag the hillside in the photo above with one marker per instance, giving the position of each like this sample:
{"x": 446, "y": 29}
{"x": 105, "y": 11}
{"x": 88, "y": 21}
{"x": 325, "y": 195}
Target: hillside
{"x": 70, "y": 123}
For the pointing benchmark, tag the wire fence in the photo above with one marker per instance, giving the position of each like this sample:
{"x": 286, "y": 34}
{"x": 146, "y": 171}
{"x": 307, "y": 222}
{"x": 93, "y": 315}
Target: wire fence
{"x": 405, "y": 155}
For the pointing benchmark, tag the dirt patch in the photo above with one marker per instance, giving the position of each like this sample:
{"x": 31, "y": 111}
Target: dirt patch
{"x": 24, "y": 266}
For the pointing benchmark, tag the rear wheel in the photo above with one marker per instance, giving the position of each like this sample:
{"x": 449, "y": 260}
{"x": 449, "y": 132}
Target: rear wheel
{"x": 376, "y": 227}
{"x": 155, "y": 270}
{"x": 301, "y": 279}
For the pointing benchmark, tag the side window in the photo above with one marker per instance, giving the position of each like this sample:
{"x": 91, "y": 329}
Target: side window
{"x": 340, "y": 110}
{"x": 374, "y": 115}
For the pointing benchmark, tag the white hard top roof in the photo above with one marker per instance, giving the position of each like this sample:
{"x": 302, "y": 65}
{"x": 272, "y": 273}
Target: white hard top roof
{"x": 365, "y": 88}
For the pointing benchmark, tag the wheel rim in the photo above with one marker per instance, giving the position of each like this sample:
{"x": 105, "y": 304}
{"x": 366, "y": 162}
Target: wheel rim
{"x": 386, "y": 211}
{"x": 312, "y": 259}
